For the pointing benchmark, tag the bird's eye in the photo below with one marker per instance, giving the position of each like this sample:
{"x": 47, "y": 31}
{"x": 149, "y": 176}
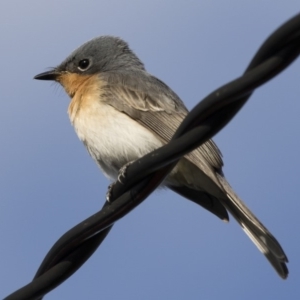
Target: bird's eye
{"x": 83, "y": 64}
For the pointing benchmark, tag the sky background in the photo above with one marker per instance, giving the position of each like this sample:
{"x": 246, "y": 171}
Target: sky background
{"x": 167, "y": 248}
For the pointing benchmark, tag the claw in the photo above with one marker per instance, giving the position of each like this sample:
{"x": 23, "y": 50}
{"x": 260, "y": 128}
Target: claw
{"x": 122, "y": 171}
{"x": 108, "y": 193}
{"x": 122, "y": 174}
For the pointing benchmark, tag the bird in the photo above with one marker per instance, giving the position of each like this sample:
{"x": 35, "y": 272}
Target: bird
{"x": 121, "y": 112}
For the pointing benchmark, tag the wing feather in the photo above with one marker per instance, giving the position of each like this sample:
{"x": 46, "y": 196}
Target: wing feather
{"x": 154, "y": 105}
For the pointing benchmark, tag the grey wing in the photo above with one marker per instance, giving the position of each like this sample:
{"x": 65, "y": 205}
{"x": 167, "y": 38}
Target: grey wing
{"x": 155, "y": 106}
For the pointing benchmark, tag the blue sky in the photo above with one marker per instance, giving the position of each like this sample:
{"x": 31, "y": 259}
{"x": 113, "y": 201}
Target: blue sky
{"x": 168, "y": 248}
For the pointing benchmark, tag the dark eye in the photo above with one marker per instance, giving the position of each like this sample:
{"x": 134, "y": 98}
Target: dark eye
{"x": 83, "y": 64}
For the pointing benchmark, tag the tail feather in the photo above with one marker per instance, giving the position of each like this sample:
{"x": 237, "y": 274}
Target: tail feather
{"x": 255, "y": 230}
{"x": 207, "y": 201}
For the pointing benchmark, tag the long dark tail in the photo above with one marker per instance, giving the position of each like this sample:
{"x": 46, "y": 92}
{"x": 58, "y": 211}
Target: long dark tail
{"x": 207, "y": 201}
{"x": 256, "y": 231}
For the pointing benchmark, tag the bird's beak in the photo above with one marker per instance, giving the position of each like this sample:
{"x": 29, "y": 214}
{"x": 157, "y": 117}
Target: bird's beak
{"x": 50, "y": 75}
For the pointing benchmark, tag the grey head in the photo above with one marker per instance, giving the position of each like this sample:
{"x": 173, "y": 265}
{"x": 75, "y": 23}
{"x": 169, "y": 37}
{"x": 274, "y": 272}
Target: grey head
{"x": 101, "y": 54}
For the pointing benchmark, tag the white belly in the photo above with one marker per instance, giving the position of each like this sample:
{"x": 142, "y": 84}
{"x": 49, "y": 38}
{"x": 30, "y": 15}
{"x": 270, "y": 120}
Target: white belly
{"x": 112, "y": 138}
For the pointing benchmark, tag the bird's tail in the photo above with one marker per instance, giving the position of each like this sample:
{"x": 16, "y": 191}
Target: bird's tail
{"x": 256, "y": 231}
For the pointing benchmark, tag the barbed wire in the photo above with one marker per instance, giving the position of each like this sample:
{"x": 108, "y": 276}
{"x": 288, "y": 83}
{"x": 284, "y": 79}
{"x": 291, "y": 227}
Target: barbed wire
{"x": 143, "y": 176}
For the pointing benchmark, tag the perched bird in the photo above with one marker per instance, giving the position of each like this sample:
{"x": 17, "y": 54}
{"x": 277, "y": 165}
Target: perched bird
{"x": 121, "y": 112}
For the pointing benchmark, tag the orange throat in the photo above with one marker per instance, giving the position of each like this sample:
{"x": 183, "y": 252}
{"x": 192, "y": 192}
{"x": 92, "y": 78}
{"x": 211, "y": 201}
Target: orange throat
{"x": 83, "y": 89}
{"x": 73, "y": 82}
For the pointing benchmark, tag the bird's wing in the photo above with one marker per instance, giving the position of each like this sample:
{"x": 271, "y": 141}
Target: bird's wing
{"x": 155, "y": 106}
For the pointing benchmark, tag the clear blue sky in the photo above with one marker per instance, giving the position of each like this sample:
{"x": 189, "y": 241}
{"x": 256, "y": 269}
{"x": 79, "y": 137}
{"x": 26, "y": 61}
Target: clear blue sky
{"x": 168, "y": 248}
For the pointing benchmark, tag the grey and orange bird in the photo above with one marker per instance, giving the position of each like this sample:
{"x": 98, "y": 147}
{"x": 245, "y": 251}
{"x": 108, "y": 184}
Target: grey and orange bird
{"x": 121, "y": 112}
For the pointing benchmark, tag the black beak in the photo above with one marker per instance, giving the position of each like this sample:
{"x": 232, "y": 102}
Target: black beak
{"x": 50, "y": 75}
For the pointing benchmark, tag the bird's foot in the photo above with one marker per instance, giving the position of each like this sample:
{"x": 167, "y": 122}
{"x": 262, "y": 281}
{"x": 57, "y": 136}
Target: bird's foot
{"x": 122, "y": 172}
{"x": 108, "y": 193}
{"x": 121, "y": 176}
